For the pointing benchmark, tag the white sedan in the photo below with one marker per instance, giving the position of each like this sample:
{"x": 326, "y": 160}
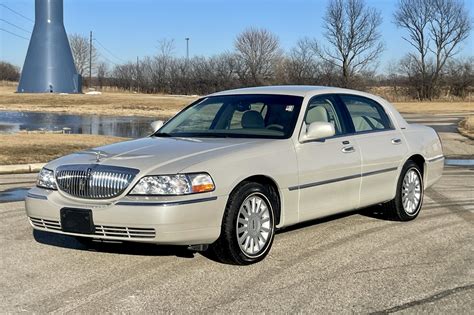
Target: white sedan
{"x": 234, "y": 166}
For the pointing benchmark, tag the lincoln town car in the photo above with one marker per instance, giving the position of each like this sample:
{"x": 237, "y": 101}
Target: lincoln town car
{"x": 229, "y": 170}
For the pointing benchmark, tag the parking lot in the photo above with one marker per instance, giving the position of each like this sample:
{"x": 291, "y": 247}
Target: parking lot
{"x": 357, "y": 262}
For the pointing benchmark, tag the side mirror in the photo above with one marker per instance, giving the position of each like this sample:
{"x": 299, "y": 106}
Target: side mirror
{"x": 156, "y": 125}
{"x": 319, "y": 130}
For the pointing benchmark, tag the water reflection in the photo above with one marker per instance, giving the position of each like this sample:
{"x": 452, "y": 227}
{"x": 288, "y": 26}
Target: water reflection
{"x": 131, "y": 127}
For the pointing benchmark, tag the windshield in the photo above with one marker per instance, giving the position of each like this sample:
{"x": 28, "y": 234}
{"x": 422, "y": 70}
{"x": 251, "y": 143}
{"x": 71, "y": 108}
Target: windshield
{"x": 239, "y": 116}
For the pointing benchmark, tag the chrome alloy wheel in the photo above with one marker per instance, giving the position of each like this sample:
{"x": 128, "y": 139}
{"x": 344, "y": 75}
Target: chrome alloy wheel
{"x": 411, "y": 191}
{"x": 254, "y": 225}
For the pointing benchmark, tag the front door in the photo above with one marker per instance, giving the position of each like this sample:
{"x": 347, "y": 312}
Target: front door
{"x": 329, "y": 169}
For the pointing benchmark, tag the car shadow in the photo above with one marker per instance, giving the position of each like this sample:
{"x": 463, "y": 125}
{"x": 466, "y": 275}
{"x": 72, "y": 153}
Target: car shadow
{"x": 126, "y": 248}
{"x": 144, "y": 249}
{"x": 375, "y": 212}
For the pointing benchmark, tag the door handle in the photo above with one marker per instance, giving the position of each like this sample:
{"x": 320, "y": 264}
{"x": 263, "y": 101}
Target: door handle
{"x": 396, "y": 141}
{"x": 348, "y": 149}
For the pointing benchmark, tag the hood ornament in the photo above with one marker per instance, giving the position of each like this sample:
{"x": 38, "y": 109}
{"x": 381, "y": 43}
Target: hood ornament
{"x": 97, "y": 156}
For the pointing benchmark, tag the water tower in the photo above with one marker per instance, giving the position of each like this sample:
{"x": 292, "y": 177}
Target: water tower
{"x": 49, "y": 65}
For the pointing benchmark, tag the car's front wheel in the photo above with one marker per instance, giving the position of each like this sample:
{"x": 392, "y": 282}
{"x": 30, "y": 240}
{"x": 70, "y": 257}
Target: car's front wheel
{"x": 409, "y": 198}
{"x": 248, "y": 225}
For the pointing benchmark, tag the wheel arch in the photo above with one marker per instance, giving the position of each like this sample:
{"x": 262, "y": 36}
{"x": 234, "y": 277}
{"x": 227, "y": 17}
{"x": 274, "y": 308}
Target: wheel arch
{"x": 273, "y": 187}
{"x": 420, "y": 161}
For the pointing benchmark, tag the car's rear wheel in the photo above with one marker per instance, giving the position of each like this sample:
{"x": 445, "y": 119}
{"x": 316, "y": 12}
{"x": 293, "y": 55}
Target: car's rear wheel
{"x": 409, "y": 198}
{"x": 248, "y": 225}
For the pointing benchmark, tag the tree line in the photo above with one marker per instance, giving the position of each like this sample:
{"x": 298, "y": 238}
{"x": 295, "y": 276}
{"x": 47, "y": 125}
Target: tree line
{"x": 348, "y": 56}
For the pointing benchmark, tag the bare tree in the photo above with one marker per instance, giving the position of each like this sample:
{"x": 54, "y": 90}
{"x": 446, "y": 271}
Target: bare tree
{"x": 80, "y": 51}
{"x": 258, "y": 49}
{"x": 162, "y": 63}
{"x": 102, "y": 72}
{"x": 226, "y": 70}
{"x": 124, "y": 76}
{"x": 352, "y": 33}
{"x": 9, "y": 72}
{"x": 459, "y": 76}
{"x": 435, "y": 28}
{"x": 301, "y": 66}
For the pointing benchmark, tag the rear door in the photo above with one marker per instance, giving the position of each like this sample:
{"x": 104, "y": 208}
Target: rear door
{"x": 381, "y": 145}
{"x": 329, "y": 169}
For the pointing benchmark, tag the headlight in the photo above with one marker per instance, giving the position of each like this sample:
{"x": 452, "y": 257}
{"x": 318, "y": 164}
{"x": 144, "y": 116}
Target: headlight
{"x": 46, "y": 179}
{"x": 181, "y": 184}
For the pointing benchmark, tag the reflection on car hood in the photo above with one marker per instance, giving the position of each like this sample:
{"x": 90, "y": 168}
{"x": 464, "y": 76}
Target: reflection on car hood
{"x": 152, "y": 153}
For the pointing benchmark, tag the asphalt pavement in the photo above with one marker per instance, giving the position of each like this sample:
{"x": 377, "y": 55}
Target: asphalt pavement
{"x": 355, "y": 262}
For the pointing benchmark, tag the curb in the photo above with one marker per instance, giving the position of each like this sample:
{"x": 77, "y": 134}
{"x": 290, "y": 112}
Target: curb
{"x": 21, "y": 168}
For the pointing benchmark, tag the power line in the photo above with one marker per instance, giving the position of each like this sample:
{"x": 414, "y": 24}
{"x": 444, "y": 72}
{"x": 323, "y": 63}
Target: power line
{"x": 1, "y": 29}
{"x": 111, "y": 53}
{"x": 107, "y": 59}
{"x": 18, "y": 27}
{"x": 17, "y": 13}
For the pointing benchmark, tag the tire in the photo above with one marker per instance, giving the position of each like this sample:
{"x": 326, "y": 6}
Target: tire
{"x": 409, "y": 197}
{"x": 248, "y": 225}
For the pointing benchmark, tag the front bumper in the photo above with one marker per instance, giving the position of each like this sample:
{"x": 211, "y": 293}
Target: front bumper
{"x": 191, "y": 220}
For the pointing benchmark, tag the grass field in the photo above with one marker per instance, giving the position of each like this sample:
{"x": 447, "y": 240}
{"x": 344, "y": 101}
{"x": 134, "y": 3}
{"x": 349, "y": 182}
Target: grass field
{"x": 160, "y": 106}
{"x": 109, "y": 103}
{"x": 26, "y": 148}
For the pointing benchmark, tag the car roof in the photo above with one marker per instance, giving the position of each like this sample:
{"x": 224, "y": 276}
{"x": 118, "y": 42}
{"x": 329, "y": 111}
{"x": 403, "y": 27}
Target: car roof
{"x": 295, "y": 90}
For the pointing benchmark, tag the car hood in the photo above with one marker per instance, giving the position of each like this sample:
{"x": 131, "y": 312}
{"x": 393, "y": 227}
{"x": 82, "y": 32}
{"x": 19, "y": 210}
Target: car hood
{"x": 154, "y": 154}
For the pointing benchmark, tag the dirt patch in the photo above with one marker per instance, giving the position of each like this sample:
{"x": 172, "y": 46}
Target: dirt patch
{"x": 466, "y": 127}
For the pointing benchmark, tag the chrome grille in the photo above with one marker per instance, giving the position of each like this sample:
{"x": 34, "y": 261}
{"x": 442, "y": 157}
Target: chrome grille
{"x": 94, "y": 181}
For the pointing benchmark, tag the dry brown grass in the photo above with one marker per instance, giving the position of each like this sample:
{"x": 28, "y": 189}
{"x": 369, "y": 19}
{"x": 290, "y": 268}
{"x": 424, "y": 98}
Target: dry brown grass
{"x": 39, "y": 148}
{"x": 466, "y": 127}
{"x": 109, "y": 103}
{"x": 160, "y": 106}
{"x": 435, "y": 107}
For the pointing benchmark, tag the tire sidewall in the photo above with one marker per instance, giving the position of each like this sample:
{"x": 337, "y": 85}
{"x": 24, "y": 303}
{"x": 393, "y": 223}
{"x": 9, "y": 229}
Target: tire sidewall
{"x": 238, "y": 197}
{"x": 402, "y": 212}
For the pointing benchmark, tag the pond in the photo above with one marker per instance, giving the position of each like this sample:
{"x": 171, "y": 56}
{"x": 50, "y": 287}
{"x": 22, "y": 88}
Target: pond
{"x": 130, "y": 127}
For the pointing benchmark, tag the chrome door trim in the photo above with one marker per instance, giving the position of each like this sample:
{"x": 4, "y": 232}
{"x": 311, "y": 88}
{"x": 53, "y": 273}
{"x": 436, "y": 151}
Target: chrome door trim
{"x": 339, "y": 179}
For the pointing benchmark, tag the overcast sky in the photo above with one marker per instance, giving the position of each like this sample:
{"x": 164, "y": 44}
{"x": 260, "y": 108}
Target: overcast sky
{"x": 131, "y": 28}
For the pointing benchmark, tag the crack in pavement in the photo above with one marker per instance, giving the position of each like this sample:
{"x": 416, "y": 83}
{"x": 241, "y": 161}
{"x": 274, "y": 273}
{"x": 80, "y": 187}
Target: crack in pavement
{"x": 432, "y": 298}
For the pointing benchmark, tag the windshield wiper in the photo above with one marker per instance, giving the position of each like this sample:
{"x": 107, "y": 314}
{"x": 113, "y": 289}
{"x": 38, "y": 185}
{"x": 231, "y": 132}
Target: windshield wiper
{"x": 162, "y": 134}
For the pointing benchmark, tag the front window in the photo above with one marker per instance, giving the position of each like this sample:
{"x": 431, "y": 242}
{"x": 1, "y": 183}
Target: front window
{"x": 239, "y": 116}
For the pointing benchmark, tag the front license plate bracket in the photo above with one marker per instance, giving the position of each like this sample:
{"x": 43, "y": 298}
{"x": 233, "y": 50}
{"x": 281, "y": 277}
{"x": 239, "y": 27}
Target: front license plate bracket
{"x": 77, "y": 221}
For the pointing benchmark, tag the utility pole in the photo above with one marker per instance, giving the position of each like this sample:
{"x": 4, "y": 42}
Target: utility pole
{"x": 90, "y": 60}
{"x": 187, "y": 48}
